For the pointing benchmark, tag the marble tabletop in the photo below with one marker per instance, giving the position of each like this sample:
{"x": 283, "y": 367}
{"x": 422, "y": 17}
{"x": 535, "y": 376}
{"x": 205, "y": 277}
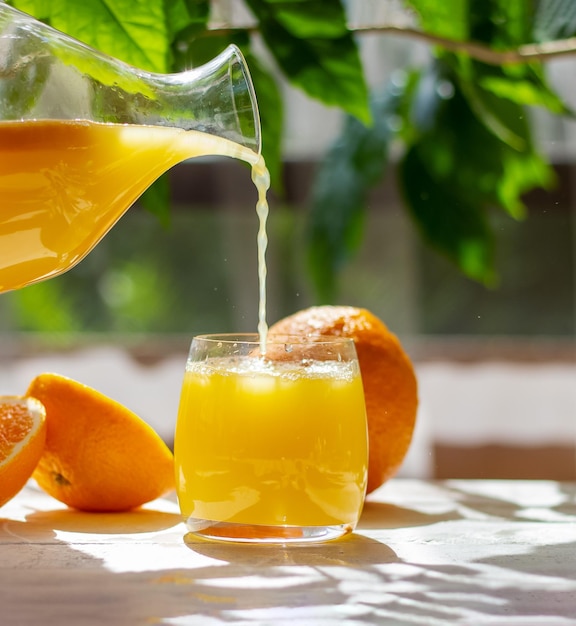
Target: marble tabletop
{"x": 432, "y": 553}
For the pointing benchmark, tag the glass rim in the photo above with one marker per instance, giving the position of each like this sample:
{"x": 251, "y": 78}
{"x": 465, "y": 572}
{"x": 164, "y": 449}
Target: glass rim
{"x": 274, "y": 339}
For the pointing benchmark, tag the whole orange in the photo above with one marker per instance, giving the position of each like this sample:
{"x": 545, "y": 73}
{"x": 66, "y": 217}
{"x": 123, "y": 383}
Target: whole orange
{"x": 390, "y": 385}
{"x": 22, "y": 437}
{"x": 99, "y": 455}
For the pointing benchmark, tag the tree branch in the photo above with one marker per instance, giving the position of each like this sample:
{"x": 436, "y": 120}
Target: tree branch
{"x": 523, "y": 54}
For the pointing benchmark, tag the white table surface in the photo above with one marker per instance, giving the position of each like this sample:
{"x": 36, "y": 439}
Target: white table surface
{"x": 453, "y": 552}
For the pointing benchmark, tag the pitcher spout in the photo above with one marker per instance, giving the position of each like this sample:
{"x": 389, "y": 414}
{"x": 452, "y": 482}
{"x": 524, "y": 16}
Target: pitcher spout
{"x": 45, "y": 74}
{"x": 221, "y": 97}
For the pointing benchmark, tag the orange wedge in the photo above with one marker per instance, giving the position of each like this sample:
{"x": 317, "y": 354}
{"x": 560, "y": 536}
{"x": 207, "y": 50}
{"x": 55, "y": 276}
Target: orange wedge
{"x": 99, "y": 455}
{"x": 22, "y": 438}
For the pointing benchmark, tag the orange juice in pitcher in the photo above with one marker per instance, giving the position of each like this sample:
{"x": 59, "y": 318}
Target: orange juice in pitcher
{"x": 64, "y": 184}
{"x": 82, "y": 135}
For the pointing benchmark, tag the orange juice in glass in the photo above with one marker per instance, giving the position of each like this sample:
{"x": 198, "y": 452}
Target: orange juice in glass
{"x": 271, "y": 447}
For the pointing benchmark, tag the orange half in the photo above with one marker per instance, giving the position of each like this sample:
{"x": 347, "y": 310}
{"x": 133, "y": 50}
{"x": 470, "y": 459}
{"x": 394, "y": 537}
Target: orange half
{"x": 99, "y": 455}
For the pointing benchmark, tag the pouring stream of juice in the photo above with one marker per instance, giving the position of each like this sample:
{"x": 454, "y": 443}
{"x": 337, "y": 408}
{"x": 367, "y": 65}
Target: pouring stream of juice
{"x": 64, "y": 184}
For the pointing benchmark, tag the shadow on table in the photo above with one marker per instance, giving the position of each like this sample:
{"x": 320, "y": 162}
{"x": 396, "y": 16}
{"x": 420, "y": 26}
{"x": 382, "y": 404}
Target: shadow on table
{"x": 355, "y": 581}
{"x": 389, "y": 516}
{"x": 138, "y": 521}
{"x": 553, "y": 502}
{"x": 353, "y": 550}
{"x": 536, "y": 505}
{"x": 359, "y": 580}
{"x": 17, "y": 532}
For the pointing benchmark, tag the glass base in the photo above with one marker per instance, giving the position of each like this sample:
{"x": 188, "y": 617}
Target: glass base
{"x": 262, "y": 534}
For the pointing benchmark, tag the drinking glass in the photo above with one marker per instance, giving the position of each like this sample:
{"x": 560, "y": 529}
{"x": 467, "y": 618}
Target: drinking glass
{"x": 271, "y": 446}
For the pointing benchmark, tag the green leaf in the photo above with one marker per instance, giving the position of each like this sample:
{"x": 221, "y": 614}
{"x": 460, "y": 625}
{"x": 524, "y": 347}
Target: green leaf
{"x": 525, "y": 91}
{"x": 40, "y": 9}
{"x": 321, "y": 60}
{"x": 156, "y": 199}
{"x": 449, "y": 18}
{"x": 499, "y": 173}
{"x": 186, "y": 15}
{"x": 489, "y": 88}
{"x": 134, "y": 31}
{"x": 500, "y": 117}
{"x": 523, "y": 84}
{"x": 512, "y": 19}
{"x": 521, "y": 173}
{"x": 336, "y": 226}
{"x": 498, "y": 94}
{"x": 457, "y": 170}
{"x": 310, "y": 19}
{"x": 451, "y": 222}
{"x": 353, "y": 165}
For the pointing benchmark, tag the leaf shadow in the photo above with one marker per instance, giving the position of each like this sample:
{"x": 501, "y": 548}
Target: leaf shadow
{"x": 388, "y": 516}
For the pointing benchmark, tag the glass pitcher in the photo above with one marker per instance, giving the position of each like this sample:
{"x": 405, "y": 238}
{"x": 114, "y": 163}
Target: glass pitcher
{"x": 82, "y": 135}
